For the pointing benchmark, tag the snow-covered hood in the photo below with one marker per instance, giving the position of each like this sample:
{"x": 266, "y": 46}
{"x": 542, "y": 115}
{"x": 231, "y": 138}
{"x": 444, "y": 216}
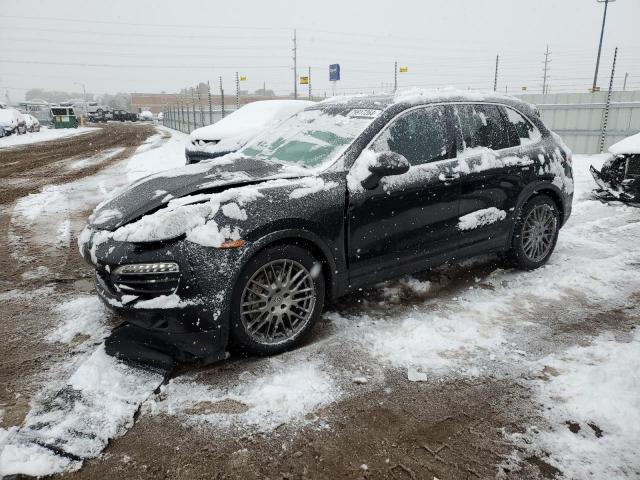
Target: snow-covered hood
{"x": 627, "y": 146}
{"x": 152, "y": 192}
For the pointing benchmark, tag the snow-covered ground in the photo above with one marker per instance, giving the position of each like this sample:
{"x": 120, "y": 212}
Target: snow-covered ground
{"x": 44, "y": 135}
{"x": 421, "y": 329}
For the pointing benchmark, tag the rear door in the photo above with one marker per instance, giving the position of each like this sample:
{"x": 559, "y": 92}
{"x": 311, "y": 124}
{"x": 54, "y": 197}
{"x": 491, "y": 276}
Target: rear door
{"x": 493, "y": 170}
{"x": 408, "y": 218}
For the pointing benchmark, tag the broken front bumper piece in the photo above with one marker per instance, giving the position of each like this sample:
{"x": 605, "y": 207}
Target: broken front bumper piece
{"x": 619, "y": 179}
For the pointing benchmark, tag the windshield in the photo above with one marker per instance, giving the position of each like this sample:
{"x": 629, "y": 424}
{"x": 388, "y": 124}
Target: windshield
{"x": 311, "y": 137}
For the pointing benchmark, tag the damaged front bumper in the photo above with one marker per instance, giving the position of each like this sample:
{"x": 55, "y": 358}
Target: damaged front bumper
{"x": 188, "y": 307}
{"x": 619, "y": 179}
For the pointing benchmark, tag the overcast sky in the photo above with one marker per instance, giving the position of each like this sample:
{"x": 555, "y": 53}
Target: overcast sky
{"x": 153, "y": 46}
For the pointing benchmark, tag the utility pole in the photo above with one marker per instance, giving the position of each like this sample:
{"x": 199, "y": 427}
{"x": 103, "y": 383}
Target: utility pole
{"x": 264, "y": 88}
{"x": 606, "y": 108}
{"x": 495, "y": 78}
{"x": 193, "y": 106}
{"x": 295, "y": 66}
{"x": 237, "y": 91}
{"x": 200, "y": 107}
{"x": 546, "y": 70}
{"x": 624, "y": 85}
{"x": 309, "y": 83}
{"x": 395, "y": 77}
{"x": 210, "y": 103}
{"x": 221, "y": 97}
{"x": 604, "y": 19}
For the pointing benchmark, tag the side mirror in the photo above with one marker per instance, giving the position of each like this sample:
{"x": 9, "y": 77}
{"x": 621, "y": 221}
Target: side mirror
{"x": 385, "y": 164}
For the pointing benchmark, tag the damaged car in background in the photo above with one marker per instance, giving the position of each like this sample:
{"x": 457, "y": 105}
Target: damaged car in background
{"x": 619, "y": 177}
{"x": 246, "y": 248}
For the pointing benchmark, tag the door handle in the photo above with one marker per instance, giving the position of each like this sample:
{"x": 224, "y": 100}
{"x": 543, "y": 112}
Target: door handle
{"x": 448, "y": 178}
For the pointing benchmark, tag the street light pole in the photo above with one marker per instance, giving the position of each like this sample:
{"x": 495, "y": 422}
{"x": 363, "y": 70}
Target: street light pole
{"x": 604, "y": 20}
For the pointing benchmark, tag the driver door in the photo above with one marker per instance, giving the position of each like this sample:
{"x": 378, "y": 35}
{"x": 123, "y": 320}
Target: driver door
{"x": 408, "y": 220}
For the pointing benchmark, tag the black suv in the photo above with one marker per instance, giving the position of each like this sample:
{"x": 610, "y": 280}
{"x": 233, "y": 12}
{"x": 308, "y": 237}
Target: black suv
{"x": 346, "y": 193}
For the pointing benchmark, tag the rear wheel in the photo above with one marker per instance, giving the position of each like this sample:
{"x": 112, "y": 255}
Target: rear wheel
{"x": 277, "y": 300}
{"x": 535, "y": 233}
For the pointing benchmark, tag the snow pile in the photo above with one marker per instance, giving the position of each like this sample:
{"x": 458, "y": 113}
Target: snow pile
{"x": 436, "y": 344}
{"x": 480, "y": 218}
{"x": 30, "y": 459}
{"x": 81, "y": 316}
{"x": 630, "y": 145}
{"x": 44, "y": 135}
{"x": 79, "y": 417}
{"x": 286, "y": 392}
{"x": 594, "y": 389}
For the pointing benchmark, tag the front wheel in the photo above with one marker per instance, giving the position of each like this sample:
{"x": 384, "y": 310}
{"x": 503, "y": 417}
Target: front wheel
{"x": 277, "y": 300}
{"x": 535, "y": 233}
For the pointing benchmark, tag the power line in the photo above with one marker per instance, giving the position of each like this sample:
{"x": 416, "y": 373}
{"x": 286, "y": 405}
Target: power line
{"x": 131, "y": 24}
{"x": 137, "y": 34}
{"x": 115, "y": 65}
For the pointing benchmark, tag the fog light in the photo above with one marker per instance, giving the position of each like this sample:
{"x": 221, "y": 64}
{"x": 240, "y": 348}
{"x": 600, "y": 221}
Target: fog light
{"x": 141, "y": 268}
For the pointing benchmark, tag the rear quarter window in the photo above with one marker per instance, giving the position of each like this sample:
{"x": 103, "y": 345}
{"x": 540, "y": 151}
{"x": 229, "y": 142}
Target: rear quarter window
{"x": 522, "y": 129}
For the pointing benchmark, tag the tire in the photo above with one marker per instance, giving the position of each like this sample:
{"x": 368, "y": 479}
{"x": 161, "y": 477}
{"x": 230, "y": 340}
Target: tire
{"x": 535, "y": 233}
{"x": 271, "y": 312}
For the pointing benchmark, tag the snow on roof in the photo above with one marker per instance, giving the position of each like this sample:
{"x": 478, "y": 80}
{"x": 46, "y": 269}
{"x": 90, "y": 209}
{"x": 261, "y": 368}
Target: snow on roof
{"x": 254, "y": 116}
{"x": 422, "y": 95}
{"x": 9, "y": 114}
{"x": 630, "y": 145}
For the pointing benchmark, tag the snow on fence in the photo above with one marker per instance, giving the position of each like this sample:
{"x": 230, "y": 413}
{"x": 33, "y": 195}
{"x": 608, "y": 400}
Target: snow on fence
{"x": 579, "y": 117}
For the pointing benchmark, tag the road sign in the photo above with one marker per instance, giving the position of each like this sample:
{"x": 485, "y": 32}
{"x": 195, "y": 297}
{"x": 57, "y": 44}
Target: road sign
{"x": 334, "y": 72}
{"x": 404, "y": 69}
{"x": 242, "y": 79}
{"x": 304, "y": 80}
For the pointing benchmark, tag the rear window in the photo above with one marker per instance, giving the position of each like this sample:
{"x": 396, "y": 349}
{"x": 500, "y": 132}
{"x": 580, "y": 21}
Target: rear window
{"x": 482, "y": 126}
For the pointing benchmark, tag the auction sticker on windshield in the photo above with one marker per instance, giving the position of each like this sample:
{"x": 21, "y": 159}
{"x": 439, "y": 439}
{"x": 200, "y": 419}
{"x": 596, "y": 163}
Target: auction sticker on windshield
{"x": 364, "y": 113}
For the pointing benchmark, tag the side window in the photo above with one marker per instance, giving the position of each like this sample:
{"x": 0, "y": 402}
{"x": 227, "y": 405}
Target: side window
{"x": 524, "y": 131}
{"x": 482, "y": 126}
{"x": 421, "y": 135}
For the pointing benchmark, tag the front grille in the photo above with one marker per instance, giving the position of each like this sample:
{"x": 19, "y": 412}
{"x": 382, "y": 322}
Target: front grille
{"x": 146, "y": 285}
{"x": 633, "y": 166}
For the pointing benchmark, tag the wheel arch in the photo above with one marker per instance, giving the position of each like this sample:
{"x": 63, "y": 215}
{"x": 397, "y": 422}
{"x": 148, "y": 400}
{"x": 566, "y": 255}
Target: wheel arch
{"x": 542, "y": 188}
{"x": 305, "y": 239}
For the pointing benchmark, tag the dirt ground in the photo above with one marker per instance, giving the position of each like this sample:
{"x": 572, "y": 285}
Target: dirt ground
{"x": 24, "y": 170}
{"x": 451, "y": 429}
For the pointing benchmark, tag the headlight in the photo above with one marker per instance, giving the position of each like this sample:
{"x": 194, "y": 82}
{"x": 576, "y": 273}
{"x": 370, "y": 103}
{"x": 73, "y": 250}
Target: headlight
{"x": 142, "y": 268}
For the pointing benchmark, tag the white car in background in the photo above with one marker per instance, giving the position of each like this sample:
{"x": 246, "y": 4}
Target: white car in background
{"x": 32, "y": 123}
{"x": 146, "y": 115}
{"x": 235, "y": 130}
{"x": 12, "y": 121}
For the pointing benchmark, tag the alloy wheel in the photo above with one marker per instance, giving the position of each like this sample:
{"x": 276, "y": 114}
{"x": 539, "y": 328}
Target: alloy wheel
{"x": 277, "y": 302}
{"x": 538, "y": 232}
